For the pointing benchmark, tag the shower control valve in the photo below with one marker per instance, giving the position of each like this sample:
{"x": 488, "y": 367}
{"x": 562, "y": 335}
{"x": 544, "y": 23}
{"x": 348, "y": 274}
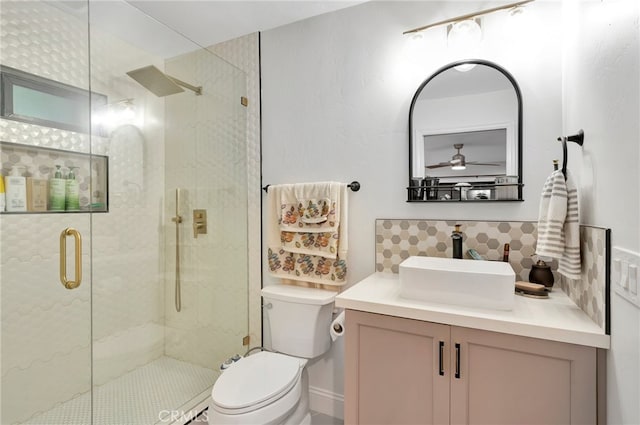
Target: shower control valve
{"x": 199, "y": 222}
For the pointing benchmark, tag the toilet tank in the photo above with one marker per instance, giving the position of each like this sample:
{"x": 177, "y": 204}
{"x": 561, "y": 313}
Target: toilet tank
{"x": 299, "y": 319}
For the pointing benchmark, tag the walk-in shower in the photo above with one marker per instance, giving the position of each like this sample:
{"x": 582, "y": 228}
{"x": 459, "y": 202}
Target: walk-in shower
{"x": 114, "y": 350}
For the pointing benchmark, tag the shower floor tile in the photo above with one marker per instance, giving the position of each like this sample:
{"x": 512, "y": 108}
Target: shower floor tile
{"x": 147, "y": 395}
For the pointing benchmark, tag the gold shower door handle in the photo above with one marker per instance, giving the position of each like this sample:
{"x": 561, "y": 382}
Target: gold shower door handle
{"x": 70, "y": 284}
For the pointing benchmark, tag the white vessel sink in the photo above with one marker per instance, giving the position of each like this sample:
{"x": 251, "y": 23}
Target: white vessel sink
{"x": 472, "y": 283}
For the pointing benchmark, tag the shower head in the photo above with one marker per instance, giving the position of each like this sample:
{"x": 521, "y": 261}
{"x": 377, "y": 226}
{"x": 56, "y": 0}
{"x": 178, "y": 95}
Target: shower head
{"x": 159, "y": 83}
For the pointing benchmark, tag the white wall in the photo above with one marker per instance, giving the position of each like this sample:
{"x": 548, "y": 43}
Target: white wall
{"x": 336, "y": 96}
{"x": 601, "y": 95}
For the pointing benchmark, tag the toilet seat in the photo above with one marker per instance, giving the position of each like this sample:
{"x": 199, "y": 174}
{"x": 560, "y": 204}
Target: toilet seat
{"x": 256, "y": 381}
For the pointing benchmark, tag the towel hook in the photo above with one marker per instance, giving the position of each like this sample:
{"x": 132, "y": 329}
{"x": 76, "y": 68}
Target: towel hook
{"x": 575, "y": 138}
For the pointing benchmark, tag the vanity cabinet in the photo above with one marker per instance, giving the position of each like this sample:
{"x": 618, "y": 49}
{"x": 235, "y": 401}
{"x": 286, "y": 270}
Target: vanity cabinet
{"x": 405, "y": 371}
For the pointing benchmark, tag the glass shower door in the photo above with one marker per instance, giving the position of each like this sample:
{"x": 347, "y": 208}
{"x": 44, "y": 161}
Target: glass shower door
{"x": 45, "y": 295}
{"x": 115, "y": 349}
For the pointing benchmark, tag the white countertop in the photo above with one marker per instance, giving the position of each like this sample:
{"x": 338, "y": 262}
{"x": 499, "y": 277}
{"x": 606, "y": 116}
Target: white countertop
{"x": 556, "y": 318}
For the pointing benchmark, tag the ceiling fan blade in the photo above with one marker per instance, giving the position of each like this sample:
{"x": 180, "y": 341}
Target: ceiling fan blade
{"x": 483, "y": 163}
{"x": 442, "y": 164}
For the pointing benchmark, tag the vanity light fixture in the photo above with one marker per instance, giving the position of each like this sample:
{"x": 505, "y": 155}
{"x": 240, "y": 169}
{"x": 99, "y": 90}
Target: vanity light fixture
{"x": 515, "y": 8}
{"x": 467, "y": 31}
{"x": 463, "y": 38}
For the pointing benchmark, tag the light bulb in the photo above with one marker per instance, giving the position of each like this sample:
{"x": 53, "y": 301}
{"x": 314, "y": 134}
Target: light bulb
{"x": 463, "y": 40}
{"x": 465, "y": 33}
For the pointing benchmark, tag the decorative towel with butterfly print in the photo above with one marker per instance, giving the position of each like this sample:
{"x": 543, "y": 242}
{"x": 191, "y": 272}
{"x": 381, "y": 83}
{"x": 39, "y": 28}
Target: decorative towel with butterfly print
{"x": 307, "y": 232}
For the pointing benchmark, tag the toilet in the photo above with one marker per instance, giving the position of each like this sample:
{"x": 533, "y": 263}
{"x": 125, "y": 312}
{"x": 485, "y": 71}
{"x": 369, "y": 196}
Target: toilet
{"x": 266, "y": 387}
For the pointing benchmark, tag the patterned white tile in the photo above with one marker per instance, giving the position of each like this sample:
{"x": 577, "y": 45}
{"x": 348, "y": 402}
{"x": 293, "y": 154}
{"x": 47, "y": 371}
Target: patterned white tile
{"x": 213, "y": 171}
{"x": 243, "y": 53}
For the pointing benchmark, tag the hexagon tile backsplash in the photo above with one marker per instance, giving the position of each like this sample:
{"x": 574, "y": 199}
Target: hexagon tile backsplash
{"x": 397, "y": 239}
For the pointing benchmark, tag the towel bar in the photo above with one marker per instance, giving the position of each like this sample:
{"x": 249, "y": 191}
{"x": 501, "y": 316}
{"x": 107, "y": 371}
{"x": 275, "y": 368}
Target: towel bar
{"x": 576, "y": 138}
{"x": 354, "y": 186}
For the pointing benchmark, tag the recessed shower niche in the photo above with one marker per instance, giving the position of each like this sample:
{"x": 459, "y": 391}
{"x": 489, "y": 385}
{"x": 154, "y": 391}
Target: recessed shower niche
{"x": 39, "y": 165}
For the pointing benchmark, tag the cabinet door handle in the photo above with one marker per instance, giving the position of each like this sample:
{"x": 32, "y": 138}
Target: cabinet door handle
{"x": 457, "y": 375}
{"x": 441, "y": 359}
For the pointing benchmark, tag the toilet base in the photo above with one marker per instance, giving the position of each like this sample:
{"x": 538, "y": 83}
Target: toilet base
{"x": 301, "y": 415}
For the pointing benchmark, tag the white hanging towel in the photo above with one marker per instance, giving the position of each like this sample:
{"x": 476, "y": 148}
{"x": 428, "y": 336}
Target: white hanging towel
{"x": 559, "y": 224}
{"x": 307, "y": 232}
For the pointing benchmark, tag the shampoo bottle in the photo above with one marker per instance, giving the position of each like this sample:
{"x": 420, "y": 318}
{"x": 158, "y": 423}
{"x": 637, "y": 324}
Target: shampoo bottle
{"x": 72, "y": 191}
{"x": 2, "y": 196}
{"x": 57, "y": 191}
{"x": 36, "y": 193}
{"x": 16, "y": 190}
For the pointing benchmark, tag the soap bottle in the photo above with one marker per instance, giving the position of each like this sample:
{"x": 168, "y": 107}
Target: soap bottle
{"x": 36, "y": 193}
{"x": 72, "y": 191}
{"x": 16, "y": 190}
{"x": 2, "y": 196}
{"x": 456, "y": 237}
{"x": 57, "y": 191}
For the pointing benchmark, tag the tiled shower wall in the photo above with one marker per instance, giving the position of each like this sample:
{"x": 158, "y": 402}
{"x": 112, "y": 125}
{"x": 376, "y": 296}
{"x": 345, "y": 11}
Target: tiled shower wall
{"x": 206, "y": 158}
{"x": 398, "y": 239}
{"x": 243, "y": 52}
{"x": 46, "y": 331}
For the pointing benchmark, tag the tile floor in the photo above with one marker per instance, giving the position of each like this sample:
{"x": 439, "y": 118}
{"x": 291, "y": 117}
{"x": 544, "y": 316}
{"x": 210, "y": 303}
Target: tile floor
{"x": 135, "y": 398}
{"x": 322, "y": 419}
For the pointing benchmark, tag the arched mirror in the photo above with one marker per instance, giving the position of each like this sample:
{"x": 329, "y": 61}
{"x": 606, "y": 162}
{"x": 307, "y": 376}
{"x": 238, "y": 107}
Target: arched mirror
{"x": 465, "y": 135}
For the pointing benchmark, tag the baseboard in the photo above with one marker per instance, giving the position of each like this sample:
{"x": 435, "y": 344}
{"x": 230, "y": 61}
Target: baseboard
{"x": 326, "y": 402}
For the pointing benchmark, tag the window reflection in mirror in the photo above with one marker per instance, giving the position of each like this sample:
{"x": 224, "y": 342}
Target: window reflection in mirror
{"x": 465, "y": 131}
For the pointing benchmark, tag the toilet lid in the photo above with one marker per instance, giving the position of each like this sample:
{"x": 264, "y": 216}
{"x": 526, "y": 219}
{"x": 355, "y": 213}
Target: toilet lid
{"x": 256, "y": 379}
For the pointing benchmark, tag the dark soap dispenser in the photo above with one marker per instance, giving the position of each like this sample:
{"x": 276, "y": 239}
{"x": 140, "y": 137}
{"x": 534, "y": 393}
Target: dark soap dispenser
{"x": 456, "y": 237}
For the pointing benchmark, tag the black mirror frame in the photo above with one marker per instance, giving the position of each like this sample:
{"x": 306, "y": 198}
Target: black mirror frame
{"x": 519, "y": 132}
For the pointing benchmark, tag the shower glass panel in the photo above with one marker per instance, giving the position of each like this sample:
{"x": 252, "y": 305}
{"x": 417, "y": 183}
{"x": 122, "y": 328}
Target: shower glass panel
{"x": 45, "y": 328}
{"x": 152, "y": 363}
{"x": 116, "y": 350}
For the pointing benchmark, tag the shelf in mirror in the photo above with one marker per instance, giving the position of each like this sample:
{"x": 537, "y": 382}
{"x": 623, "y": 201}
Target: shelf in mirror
{"x": 456, "y": 192}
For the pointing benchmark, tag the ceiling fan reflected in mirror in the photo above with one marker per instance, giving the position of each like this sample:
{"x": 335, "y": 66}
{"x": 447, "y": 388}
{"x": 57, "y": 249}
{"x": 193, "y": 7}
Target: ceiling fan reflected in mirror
{"x": 458, "y": 161}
